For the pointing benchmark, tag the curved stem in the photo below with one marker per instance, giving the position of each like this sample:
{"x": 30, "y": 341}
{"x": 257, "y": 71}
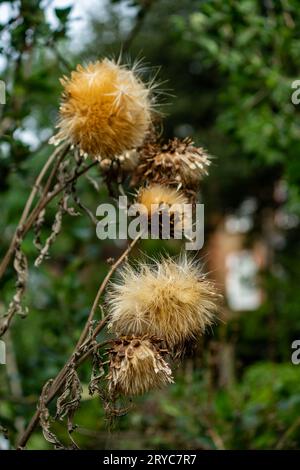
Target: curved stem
{"x": 45, "y": 201}
{"x": 25, "y": 224}
{"x": 102, "y": 288}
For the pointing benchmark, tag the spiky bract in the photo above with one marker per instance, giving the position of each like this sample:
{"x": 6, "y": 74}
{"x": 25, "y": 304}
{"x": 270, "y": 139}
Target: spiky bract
{"x": 137, "y": 365}
{"x": 177, "y": 163}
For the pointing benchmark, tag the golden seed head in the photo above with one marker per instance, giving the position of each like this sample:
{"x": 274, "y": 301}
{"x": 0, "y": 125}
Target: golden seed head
{"x": 137, "y": 365}
{"x": 177, "y": 163}
{"x": 169, "y": 299}
{"x": 106, "y": 109}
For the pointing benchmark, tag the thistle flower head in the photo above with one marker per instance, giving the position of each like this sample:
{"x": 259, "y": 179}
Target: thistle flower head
{"x": 137, "y": 365}
{"x": 170, "y": 299}
{"x": 106, "y": 109}
{"x": 178, "y": 163}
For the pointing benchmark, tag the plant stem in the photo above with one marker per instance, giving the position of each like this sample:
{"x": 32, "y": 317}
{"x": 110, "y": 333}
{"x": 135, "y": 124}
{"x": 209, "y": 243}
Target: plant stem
{"x": 22, "y": 230}
{"x": 76, "y": 358}
{"x": 102, "y": 288}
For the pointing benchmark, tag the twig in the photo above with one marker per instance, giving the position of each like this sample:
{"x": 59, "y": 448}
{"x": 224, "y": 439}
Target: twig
{"x": 102, "y": 287}
{"x": 14, "y": 381}
{"x": 59, "y": 154}
{"x": 26, "y": 224}
{"x": 44, "y": 202}
{"x": 291, "y": 429}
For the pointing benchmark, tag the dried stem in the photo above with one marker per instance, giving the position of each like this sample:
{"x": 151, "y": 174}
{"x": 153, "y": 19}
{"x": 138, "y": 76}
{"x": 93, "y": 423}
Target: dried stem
{"x": 47, "y": 199}
{"x": 102, "y": 288}
{"x": 84, "y": 347}
{"x": 28, "y": 220}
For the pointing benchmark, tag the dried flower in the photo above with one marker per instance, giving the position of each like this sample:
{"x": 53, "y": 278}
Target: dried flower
{"x": 128, "y": 161}
{"x": 137, "y": 365}
{"x": 170, "y": 299}
{"x": 106, "y": 109}
{"x": 177, "y": 163}
{"x": 162, "y": 199}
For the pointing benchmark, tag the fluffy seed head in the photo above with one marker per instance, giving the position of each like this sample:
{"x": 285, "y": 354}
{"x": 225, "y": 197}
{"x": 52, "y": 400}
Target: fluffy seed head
{"x": 106, "y": 109}
{"x": 170, "y": 299}
{"x": 177, "y": 163}
{"x": 137, "y": 365}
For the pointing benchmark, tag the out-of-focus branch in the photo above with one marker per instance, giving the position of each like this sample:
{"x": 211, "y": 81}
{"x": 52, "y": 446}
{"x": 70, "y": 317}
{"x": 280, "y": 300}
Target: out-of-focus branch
{"x": 58, "y": 154}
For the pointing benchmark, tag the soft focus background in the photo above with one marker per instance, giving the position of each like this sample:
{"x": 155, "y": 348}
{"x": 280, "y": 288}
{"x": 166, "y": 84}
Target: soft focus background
{"x": 227, "y": 68}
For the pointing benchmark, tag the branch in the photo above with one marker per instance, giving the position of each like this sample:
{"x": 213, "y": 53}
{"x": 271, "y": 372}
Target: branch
{"x": 46, "y": 200}
{"x": 27, "y": 220}
{"x": 102, "y": 288}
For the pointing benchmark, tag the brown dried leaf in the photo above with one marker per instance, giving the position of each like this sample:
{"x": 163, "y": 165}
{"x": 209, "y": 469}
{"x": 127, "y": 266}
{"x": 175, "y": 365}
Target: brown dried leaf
{"x": 37, "y": 229}
{"x": 97, "y": 373}
{"x": 21, "y": 267}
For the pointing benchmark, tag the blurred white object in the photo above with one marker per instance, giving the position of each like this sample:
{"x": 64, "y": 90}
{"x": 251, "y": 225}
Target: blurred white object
{"x": 2, "y": 352}
{"x": 234, "y": 224}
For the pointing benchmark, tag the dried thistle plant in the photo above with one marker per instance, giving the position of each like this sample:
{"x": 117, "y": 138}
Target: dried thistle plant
{"x": 137, "y": 366}
{"x": 106, "y": 109}
{"x": 170, "y": 299}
